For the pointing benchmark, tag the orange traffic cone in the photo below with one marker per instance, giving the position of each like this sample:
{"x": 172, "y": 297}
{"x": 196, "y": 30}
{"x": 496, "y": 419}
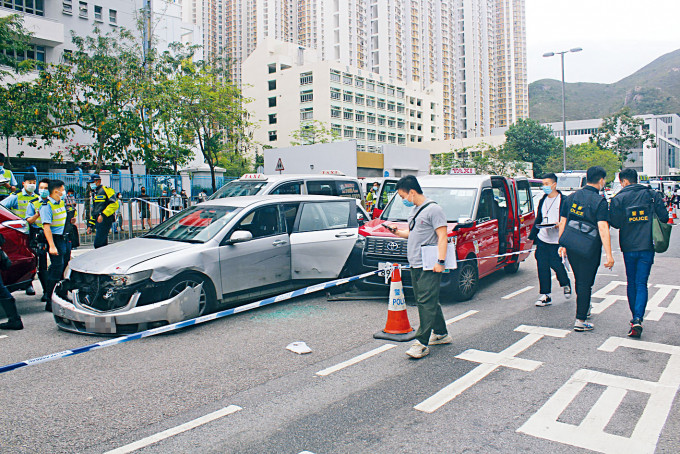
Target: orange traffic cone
{"x": 397, "y": 328}
{"x": 671, "y": 215}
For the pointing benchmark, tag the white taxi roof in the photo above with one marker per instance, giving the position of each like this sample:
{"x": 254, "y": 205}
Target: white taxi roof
{"x": 302, "y": 176}
{"x": 454, "y": 181}
{"x": 244, "y": 201}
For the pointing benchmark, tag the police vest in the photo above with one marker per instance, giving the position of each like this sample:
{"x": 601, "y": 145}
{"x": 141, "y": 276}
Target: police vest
{"x": 8, "y": 176}
{"x": 37, "y": 203}
{"x": 22, "y": 203}
{"x": 58, "y": 214}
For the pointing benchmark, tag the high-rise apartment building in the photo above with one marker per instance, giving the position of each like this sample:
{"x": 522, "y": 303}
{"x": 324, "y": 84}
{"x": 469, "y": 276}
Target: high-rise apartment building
{"x": 475, "y": 48}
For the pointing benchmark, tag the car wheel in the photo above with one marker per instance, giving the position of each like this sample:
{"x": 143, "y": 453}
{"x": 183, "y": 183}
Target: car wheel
{"x": 512, "y": 268}
{"x": 465, "y": 281}
{"x": 208, "y": 299}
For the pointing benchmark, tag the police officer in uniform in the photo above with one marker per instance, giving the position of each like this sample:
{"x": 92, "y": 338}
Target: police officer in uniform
{"x": 9, "y": 183}
{"x": 631, "y": 212}
{"x": 53, "y": 216}
{"x": 103, "y": 211}
{"x": 19, "y": 201}
{"x": 38, "y": 243}
{"x": 589, "y": 206}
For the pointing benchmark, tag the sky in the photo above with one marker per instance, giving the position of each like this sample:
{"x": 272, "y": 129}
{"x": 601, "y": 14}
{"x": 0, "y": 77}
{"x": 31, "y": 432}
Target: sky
{"x": 618, "y": 37}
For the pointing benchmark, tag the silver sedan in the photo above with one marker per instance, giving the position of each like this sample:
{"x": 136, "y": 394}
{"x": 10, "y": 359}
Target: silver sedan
{"x": 215, "y": 255}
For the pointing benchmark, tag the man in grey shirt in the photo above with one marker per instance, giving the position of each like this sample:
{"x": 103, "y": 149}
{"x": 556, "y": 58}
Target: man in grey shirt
{"x": 427, "y": 227}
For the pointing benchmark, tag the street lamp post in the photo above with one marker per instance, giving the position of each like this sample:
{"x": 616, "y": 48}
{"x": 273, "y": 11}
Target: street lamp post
{"x": 564, "y": 114}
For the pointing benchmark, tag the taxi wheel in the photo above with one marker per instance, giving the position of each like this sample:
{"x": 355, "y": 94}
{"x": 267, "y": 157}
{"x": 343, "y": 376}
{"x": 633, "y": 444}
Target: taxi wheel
{"x": 465, "y": 281}
{"x": 208, "y": 299}
{"x": 512, "y": 268}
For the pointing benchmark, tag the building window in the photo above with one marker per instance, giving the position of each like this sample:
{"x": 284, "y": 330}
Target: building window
{"x": 348, "y": 114}
{"x": 359, "y": 116}
{"x": 113, "y": 16}
{"x": 306, "y": 96}
{"x": 272, "y": 119}
{"x": 370, "y": 101}
{"x": 361, "y": 133}
{"x": 390, "y": 90}
{"x": 370, "y": 117}
{"x": 401, "y": 140}
{"x": 381, "y": 104}
{"x": 401, "y": 124}
{"x": 400, "y": 94}
{"x": 359, "y": 99}
{"x": 66, "y": 7}
{"x": 271, "y": 68}
{"x": 347, "y": 79}
{"x": 392, "y": 138}
{"x": 390, "y": 106}
{"x": 98, "y": 13}
{"x": 307, "y": 113}
{"x": 335, "y": 93}
{"x": 381, "y": 88}
{"x": 36, "y": 7}
{"x": 381, "y": 120}
{"x": 359, "y": 82}
{"x": 371, "y": 134}
{"x": 370, "y": 85}
{"x": 400, "y": 108}
{"x": 382, "y": 136}
{"x": 335, "y": 112}
{"x": 391, "y": 122}
{"x": 34, "y": 52}
{"x": 335, "y": 76}
{"x": 347, "y": 96}
{"x": 349, "y": 132}
{"x": 306, "y": 78}
{"x": 272, "y": 101}
{"x": 271, "y": 85}
{"x": 82, "y": 10}
{"x": 337, "y": 129}
{"x": 272, "y": 136}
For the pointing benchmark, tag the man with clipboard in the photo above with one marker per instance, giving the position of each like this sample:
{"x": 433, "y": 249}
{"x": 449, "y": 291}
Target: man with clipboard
{"x": 426, "y": 227}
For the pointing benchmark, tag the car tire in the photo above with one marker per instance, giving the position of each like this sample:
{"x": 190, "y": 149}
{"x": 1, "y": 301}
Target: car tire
{"x": 511, "y": 268}
{"x": 465, "y": 280}
{"x": 184, "y": 280}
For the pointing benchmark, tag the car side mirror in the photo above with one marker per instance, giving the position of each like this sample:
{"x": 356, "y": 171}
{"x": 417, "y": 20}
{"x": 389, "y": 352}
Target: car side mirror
{"x": 240, "y": 236}
{"x": 361, "y": 219}
{"x": 464, "y": 223}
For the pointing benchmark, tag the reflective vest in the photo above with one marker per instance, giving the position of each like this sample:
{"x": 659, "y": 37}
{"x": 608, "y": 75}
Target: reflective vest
{"x": 22, "y": 203}
{"x": 8, "y": 175}
{"x": 58, "y": 214}
{"x": 105, "y": 203}
{"x": 37, "y": 203}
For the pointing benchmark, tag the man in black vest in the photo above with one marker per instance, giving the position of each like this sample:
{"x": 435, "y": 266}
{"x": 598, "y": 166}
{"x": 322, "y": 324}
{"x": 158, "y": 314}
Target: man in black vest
{"x": 631, "y": 212}
{"x": 588, "y": 206}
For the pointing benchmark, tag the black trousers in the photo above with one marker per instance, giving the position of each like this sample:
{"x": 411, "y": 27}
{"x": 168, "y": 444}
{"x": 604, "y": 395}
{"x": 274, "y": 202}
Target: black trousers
{"x": 547, "y": 258}
{"x": 585, "y": 269}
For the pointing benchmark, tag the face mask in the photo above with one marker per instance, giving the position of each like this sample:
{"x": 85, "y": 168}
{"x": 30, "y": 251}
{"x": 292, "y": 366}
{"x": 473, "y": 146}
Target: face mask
{"x": 30, "y": 188}
{"x": 93, "y": 185}
{"x": 408, "y": 203}
{"x": 546, "y": 189}
{"x": 44, "y": 193}
{"x": 375, "y": 188}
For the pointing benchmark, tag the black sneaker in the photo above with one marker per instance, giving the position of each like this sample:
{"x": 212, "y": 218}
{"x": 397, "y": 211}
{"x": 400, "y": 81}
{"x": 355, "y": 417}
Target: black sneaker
{"x": 635, "y": 329}
{"x": 567, "y": 291}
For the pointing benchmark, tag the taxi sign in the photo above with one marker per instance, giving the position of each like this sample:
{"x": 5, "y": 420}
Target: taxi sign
{"x": 253, "y": 176}
{"x": 331, "y": 172}
{"x": 462, "y": 171}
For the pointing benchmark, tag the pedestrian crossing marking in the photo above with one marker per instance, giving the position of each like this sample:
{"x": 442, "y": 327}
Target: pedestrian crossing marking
{"x": 654, "y": 309}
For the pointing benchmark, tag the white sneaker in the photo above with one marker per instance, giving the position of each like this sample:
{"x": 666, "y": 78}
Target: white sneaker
{"x": 567, "y": 291}
{"x": 543, "y": 301}
{"x": 438, "y": 339}
{"x": 418, "y": 350}
{"x": 583, "y": 326}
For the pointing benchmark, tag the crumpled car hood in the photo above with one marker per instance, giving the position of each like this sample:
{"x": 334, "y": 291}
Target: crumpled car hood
{"x": 118, "y": 258}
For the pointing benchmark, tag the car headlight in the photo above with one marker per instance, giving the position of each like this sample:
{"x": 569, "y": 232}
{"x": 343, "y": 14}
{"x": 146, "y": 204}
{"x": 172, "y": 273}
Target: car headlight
{"x": 120, "y": 280}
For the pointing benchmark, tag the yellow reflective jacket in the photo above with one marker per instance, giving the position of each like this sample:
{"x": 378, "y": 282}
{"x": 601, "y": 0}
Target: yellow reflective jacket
{"x": 105, "y": 203}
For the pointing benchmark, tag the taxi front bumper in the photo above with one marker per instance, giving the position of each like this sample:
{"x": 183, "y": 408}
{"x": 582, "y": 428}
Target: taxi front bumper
{"x": 72, "y": 316}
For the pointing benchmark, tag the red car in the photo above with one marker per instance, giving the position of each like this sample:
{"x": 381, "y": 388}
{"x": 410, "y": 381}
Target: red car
{"x": 15, "y": 230}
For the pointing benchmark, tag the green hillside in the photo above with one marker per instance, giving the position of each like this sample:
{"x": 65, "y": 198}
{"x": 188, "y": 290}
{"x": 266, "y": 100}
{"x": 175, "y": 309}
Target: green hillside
{"x": 654, "y": 89}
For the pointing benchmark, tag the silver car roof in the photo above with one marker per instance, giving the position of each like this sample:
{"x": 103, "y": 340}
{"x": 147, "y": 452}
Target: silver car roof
{"x": 245, "y": 201}
{"x": 454, "y": 181}
{"x": 305, "y": 176}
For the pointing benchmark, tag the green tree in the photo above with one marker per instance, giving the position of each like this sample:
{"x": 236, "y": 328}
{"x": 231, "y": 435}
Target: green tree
{"x": 585, "y": 155}
{"x": 484, "y": 158}
{"x": 529, "y": 141}
{"x": 14, "y": 41}
{"x": 312, "y": 132}
{"x": 621, "y": 132}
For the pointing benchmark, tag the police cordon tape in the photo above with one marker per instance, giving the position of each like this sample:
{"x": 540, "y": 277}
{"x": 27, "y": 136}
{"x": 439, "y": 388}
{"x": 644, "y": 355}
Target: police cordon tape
{"x": 186, "y": 323}
{"x": 214, "y": 316}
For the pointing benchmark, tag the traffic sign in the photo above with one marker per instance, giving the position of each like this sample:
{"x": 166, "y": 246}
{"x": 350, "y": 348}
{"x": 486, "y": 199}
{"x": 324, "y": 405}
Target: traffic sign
{"x": 279, "y": 166}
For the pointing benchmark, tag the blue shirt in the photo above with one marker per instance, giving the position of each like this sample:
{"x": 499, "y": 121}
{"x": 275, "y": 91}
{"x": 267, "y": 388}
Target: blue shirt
{"x": 12, "y": 180}
{"x": 11, "y": 201}
{"x": 30, "y": 210}
{"x": 46, "y": 216}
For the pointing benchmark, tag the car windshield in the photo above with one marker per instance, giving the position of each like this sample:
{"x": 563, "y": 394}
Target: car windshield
{"x": 238, "y": 188}
{"x": 456, "y": 203}
{"x": 198, "y": 224}
{"x": 568, "y": 182}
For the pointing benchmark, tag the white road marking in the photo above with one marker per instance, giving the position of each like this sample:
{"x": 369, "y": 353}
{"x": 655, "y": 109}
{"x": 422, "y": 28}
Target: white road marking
{"x": 460, "y": 317}
{"x": 3, "y": 336}
{"x": 306, "y": 452}
{"x": 356, "y": 359}
{"x": 589, "y": 434}
{"x": 607, "y": 299}
{"x": 518, "y": 292}
{"x": 144, "y": 442}
{"x": 490, "y": 362}
{"x": 655, "y": 311}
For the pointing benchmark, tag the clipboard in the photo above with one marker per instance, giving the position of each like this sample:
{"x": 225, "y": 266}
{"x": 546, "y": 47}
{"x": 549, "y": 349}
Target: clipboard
{"x": 429, "y": 256}
{"x": 545, "y": 226}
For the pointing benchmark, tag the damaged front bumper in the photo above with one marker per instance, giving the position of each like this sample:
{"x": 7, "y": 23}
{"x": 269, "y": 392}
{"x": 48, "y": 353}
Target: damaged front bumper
{"x": 74, "y": 317}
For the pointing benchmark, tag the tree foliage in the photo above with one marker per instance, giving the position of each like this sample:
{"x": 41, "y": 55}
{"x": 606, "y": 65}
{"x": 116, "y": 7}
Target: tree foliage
{"x": 529, "y": 141}
{"x": 621, "y": 132}
{"x": 312, "y": 132}
{"x": 14, "y": 40}
{"x": 585, "y": 155}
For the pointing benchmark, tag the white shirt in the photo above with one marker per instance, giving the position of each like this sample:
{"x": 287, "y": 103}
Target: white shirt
{"x": 551, "y": 215}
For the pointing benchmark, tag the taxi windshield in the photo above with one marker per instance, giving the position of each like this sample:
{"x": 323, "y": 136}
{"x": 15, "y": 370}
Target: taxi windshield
{"x": 198, "y": 224}
{"x": 568, "y": 182}
{"x": 238, "y": 188}
{"x": 456, "y": 202}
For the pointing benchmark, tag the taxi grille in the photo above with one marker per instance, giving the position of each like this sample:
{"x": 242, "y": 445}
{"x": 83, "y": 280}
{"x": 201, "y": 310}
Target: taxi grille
{"x": 385, "y": 247}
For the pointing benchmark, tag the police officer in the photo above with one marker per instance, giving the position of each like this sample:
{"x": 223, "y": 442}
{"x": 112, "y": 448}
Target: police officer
{"x": 53, "y": 216}
{"x": 19, "y": 201}
{"x": 631, "y": 212}
{"x": 9, "y": 304}
{"x": 9, "y": 182}
{"x": 588, "y": 206}
{"x": 103, "y": 211}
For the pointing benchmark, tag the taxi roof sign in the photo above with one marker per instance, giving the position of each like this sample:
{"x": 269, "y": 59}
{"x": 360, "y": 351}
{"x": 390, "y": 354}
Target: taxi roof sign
{"x": 331, "y": 172}
{"x": 462, "y": 171}
{"x": 253, "y": 176}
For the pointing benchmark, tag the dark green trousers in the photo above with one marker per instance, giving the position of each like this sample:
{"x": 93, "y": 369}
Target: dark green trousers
{"x": 426, "y": 285}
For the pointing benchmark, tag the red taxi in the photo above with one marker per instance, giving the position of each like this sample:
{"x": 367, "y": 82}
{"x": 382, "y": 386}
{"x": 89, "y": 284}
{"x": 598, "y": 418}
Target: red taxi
{"x": 489, "y": 220}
